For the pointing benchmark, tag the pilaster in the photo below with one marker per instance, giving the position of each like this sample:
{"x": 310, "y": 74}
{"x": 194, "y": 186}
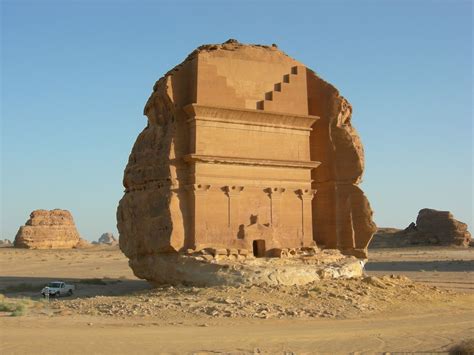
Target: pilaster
{"x": 275, "y": 194}
{"x": 199, "y": 210}
{"x": 306, "y": 196}
{"x": 233, "y": 193}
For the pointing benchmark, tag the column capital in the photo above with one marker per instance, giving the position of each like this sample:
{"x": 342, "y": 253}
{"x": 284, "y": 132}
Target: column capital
{"x": 306, "y": 194}
{"x": 233, "y": 190}
{"x": 275, "y": 192}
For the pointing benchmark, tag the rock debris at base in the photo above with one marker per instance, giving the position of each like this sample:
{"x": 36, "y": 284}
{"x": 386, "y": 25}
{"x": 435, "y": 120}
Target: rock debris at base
{"x": 325, "y": 299}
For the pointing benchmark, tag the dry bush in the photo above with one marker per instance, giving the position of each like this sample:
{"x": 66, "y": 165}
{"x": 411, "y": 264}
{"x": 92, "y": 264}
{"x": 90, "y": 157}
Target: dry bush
{"x": 463, "y": 348}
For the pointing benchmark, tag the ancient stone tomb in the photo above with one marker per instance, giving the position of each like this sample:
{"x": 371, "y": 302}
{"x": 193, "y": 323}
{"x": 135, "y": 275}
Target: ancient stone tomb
{"x": 245, "y": 149}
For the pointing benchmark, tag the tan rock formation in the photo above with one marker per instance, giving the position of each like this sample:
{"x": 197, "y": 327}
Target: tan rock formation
{"x": 432, "y": 228}
{"x": 441, "y": 228}
{"x": 53, "y": 229}
{"x": 238, "y": 141}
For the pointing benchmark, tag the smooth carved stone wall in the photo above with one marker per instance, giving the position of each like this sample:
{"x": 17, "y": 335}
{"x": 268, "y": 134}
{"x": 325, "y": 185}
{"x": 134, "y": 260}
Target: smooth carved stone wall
{"x": 45, "y": 229}
{"x": 231, "y": 155}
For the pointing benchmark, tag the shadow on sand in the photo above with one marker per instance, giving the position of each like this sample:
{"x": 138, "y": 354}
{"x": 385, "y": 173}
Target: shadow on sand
{"x": 13, "y": 286}
{"x": 441, "y": 266}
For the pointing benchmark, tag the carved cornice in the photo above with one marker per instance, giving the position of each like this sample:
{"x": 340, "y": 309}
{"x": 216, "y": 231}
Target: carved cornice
{"x": 251, "y": 117}
{"x": 251, "y": 161}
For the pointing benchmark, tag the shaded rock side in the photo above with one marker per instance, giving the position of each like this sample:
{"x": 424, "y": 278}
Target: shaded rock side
{"x": 440, "y": 228}
{"x": 45, "y": 229}
{"x": 432, "y": 228}
{"x": 342, "y": 216}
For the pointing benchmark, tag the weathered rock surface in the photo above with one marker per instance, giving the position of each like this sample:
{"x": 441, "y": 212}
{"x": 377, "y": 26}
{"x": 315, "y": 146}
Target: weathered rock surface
{"x": 342, "y": 217}
{"x": 53, "y": 229}
{"x": 210, "y": 268}
{"x": 432, "y": 228}
{"x": 107, "y": 238}
{"x": 245, "y": 148}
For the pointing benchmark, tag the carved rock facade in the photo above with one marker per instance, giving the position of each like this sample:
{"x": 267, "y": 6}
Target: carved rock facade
{"x": 45, "y": 229}
{"x": 245, "y": 148}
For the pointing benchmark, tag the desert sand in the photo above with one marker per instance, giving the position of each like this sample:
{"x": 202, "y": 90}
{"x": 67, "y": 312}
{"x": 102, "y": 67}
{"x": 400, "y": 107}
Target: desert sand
{"x": 114, "y": 312}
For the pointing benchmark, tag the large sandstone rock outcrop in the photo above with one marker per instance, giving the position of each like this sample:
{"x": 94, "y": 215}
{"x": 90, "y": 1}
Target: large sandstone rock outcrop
{"x": 53, "y": 229}
{"x": 432, "y": 228}
{"x": 245, "y": 148}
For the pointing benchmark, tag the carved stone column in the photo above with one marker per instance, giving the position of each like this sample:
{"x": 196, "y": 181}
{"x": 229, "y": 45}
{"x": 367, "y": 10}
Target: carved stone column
{"x": 306, "y": 196}
{"x": 233, "y": 193}
{"x": 199, "y": 208}
{"x": 275, "y": 194}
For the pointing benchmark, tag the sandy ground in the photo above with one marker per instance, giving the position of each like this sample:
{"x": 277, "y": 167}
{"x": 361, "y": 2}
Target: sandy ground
{"x": 113, "y": 312}
{"x": 449, "y": 268}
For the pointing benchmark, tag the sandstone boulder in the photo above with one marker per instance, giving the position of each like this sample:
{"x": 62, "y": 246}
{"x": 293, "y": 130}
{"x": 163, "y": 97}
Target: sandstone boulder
{"x": 244, "y": 148}
{"x": 45, "y": 229}
{"x": 432, "y": 228}
{"x": 440, "y": 228}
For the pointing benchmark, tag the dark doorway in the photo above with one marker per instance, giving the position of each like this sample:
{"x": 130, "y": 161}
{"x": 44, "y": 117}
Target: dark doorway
{"x": 259, "y": 248}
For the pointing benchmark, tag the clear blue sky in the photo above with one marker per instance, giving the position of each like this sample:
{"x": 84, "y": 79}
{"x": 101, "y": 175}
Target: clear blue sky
{"x": 76, "y": 75}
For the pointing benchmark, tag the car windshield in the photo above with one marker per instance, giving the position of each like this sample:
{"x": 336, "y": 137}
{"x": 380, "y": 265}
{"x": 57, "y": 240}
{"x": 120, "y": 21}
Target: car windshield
{"x": 54, "y": 284}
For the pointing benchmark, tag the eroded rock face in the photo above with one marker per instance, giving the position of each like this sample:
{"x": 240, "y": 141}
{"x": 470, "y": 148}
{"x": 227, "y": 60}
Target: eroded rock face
{"x": 432, "y": 228}
{"x": 440, "y": 227}
{"x": 342, "y": 217}
{"x": 245, "y": 148}
{"x": 45, "y": 229}
{"x": 233, "y": 269}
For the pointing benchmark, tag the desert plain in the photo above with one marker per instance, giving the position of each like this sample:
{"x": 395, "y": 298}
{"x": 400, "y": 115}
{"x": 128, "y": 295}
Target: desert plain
{"x": 412, "y": 299}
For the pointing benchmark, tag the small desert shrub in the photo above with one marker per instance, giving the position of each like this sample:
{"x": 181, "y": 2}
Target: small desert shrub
{"x": 7, "y": 307}
{"x": 15, "y": 307}
{"x": 22, "y": 287}
{"x": 19, "y": 311}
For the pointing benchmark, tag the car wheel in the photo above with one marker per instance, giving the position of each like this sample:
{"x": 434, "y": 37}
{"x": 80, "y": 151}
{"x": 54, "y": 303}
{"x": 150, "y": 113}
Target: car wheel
{"x": 69, "y": 292}
{"x": 58, "y": 294}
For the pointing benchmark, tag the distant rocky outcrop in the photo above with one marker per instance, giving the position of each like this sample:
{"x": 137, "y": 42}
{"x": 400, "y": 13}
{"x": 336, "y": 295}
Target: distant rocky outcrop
{"x": 432, "y": 227}
{"x": 45, "y": 229}
{"x": 107, "y": 238}
{"x": 5, "y": 243}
